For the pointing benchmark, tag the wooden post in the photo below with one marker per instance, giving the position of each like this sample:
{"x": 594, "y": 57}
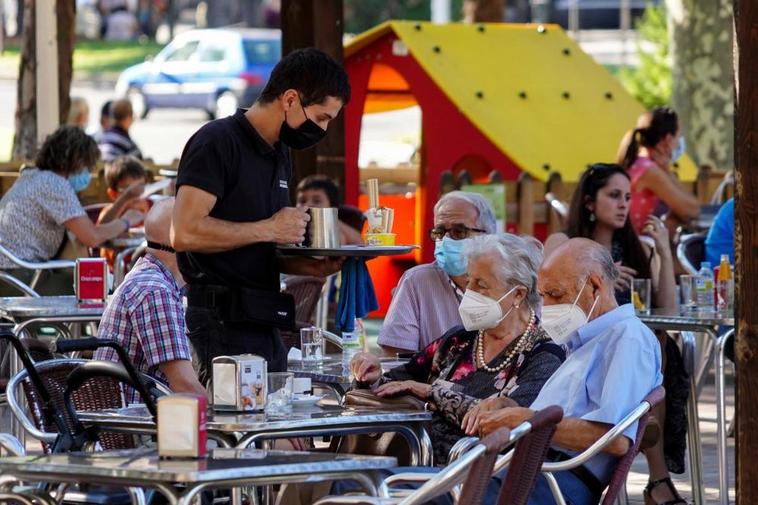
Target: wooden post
{"x": 554, "y": 186}
{"x": 525, "y": 204}
{"x": 48, "y": 109}
{"x": 317, "y": 23}
{"x": 702, "y": 184}
{"x": 746, "y": 247}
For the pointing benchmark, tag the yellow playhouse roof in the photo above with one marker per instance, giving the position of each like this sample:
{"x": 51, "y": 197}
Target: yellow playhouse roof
{"x": 529, "y": 88}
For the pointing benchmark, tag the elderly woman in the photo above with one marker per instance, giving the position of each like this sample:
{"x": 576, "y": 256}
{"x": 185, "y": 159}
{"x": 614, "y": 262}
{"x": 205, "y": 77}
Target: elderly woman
{"x": 499, "y": 357}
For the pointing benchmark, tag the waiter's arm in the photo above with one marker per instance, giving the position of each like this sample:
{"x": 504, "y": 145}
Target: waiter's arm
{"x": 193, "y": 229}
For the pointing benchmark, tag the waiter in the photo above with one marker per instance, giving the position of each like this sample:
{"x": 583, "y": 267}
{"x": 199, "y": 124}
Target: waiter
{"x": 233, "y": 208}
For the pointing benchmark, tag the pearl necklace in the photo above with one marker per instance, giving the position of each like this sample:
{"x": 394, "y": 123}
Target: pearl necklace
{"x": 523, "y": 341}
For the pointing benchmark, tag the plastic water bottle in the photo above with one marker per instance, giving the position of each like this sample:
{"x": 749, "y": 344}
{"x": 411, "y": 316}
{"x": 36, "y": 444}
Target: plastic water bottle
{"x": 352, "y": 343}
{"x": 704, "y": 287}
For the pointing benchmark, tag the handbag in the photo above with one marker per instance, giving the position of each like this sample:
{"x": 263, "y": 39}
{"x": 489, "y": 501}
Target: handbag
{"x": 378, "y": 444}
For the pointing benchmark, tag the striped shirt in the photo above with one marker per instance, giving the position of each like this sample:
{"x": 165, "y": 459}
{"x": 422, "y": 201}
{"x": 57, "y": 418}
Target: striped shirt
{"x": 115, "y": 142}
{"x": 424, "y": 307}
{"x": 146, "y": 317}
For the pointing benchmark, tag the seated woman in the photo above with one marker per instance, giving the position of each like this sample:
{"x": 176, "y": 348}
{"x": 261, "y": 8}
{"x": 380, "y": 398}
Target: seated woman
{"x": 600, "y": 210}
{"x": 500, "y": 357}
{"x": 647, "y": 152}
{"x": 42, "y": 205}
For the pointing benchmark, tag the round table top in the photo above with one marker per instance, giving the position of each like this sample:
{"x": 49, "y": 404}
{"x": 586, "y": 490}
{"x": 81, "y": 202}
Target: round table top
{"x": 19, "y": 307}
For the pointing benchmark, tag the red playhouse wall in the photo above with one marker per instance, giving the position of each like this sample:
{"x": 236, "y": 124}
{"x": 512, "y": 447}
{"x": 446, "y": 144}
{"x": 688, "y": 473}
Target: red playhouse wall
{"x": 447, "y": 137}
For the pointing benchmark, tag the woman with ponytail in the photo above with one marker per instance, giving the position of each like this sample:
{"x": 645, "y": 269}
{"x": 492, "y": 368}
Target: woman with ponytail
{"x": 647, "y": 153}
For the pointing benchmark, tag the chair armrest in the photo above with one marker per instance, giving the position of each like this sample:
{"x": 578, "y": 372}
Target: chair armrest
{"x": 460, "y": 447}
{"x": 29, "y": 265}
{"x": 331, "y": 337}
{"x": 14, "y": 282}
{"x": 13, "y": 403}
{"x": 11, "y": 444}
{"x": 600, "y": 444}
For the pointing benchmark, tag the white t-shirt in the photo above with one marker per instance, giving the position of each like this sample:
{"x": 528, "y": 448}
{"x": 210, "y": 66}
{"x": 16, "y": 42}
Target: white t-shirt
{"x": 32, "y": 214}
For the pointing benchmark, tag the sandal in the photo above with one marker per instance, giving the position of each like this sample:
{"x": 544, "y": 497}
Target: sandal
{"x": 648, "y": 493}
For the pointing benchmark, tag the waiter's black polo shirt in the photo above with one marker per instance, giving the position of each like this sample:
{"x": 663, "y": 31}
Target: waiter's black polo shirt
{"x": 228, "y": 158}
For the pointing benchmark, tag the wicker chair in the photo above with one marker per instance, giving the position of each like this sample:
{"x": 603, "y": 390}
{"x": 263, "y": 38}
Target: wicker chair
{"x": 528, "y": 456}
{"x": 96, "y": 394}
{"x": 306, "y": 291}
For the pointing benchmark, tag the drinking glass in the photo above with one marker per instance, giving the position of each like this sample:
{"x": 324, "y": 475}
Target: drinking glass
{"x": 688, "y": 292}
{"x": 641, "y": 295}
{"x": 312, "y": 346}
{"x": 279, "y": 399}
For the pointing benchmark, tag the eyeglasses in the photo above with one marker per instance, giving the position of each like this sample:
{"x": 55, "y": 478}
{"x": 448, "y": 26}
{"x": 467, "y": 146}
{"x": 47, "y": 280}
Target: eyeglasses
{"x": 455, "y": 232}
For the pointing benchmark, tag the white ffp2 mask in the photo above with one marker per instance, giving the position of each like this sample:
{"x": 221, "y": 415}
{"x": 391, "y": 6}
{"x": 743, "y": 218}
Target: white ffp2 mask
{"x": 562, "y": 320}
{"x": 479, "y": 312}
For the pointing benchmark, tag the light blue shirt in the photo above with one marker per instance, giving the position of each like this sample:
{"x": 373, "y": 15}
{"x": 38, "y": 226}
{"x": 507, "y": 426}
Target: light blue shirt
{"x": 614, "y": 361}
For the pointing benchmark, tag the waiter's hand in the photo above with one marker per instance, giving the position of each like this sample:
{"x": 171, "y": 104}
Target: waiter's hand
{"x": 288, "y": 225}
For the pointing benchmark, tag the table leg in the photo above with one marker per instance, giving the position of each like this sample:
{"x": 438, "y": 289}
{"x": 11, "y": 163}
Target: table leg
{"x": 693, "y": 442}
{"x": 721, "y": 442}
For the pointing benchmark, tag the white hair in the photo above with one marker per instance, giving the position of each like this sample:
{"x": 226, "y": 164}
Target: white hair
{"x": 518, "y": 259}
{"x": 485, "y": 213}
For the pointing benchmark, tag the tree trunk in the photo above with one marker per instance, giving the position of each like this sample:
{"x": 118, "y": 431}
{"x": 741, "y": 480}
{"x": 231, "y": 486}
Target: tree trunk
{"x": 66, "y": 12}
{"x": 317, "y": 23}
{"x": 703, "y": 71}
{"x": 25, "y": 141}
{"x": 483, "y": 11}
{"x": 746, "y": 240}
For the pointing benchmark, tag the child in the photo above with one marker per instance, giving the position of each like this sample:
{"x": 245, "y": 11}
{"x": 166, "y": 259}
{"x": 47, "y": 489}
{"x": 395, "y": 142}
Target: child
{"x": 125, "y": 178}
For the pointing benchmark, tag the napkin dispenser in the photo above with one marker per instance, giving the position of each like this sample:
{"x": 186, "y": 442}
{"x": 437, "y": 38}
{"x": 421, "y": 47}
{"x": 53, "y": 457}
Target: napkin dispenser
{"x": 91, "y": 279}
{"x": 239, "y": 382}
{"x": 185, "y": 439}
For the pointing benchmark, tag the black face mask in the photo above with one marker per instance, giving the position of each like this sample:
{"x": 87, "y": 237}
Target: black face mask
{"x": 304, "y": 136}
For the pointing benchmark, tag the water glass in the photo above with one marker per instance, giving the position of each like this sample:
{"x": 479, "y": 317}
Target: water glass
{"x": 312, "y": 346}
{"x": 280, "y": 385}
{"x": 641, "y": 295}
{"x": 688, "y": 292}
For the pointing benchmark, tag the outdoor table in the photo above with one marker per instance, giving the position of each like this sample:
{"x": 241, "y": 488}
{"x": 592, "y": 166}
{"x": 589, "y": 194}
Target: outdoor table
{"x": 700, "y": 323}
{"x": 224, "y": 468}
{"x": 332, "y": 373}
{"x": 242, "y": 430}
{"x": 53, "y": 310}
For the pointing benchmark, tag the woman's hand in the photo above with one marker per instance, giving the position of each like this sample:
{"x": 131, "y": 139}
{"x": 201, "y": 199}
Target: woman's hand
{"x": 417, "y": 389}
{"x": 366, "y": 367}
{"x": 626, "y": 275}
{"x": 470, "y": 422}
{"x": 656, "y": 229}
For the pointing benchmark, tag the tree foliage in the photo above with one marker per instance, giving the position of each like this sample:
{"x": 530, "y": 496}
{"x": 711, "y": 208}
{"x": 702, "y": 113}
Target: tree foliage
{"x": 651, "y": 82}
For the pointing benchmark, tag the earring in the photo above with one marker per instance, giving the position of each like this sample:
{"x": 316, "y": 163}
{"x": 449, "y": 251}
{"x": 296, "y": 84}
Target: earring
{"x": 592, "y": 217}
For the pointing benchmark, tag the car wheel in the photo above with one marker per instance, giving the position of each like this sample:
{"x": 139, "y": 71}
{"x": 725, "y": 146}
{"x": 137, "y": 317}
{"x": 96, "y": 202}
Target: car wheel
{"x": 139, "y": 105}
{"x": 226, "y": 104}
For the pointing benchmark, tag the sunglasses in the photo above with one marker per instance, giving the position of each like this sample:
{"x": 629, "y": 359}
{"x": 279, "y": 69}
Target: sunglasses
{"x": 455, "y": 232}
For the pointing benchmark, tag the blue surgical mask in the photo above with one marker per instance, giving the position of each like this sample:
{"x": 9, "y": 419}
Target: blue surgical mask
{"x": 80, "y": 181}
{"x": 449, "y": 255}
{"x": 678, "y": 151}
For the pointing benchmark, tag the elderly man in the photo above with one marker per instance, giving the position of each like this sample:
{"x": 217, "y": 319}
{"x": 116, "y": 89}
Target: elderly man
{"x": 425, "y": 303}
{"x": 614, "y": 361}
{"x": 146, "y": 315}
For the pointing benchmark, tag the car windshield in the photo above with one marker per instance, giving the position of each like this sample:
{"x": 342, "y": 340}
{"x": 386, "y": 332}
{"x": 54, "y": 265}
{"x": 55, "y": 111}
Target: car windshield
{"x": 262, "y": 52}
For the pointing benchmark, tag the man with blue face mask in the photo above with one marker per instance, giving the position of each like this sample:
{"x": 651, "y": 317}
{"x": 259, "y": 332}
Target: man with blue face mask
{"x": 425, "y": 303}
{"x": 613, "y": 362}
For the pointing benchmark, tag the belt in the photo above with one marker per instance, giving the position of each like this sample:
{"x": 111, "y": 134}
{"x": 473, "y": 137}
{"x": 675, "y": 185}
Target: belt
{"x": 580, "y": 472}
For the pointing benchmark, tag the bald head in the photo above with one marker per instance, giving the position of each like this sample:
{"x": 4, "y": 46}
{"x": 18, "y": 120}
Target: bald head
{"x": 158, "y": 221}
{"x": 579, "y": 269}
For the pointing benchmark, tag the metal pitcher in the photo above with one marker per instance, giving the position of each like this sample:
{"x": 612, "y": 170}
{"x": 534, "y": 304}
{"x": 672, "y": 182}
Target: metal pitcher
{"x": 323, "y": 229}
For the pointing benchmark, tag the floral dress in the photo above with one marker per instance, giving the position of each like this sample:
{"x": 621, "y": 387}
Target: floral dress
{"x": 448, "y": 364}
